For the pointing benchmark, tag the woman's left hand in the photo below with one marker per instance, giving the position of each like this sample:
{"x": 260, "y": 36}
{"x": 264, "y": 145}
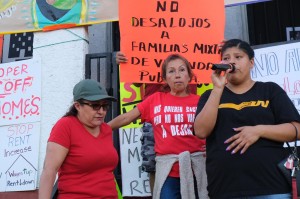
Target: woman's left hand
{"x": 245, "y": 137}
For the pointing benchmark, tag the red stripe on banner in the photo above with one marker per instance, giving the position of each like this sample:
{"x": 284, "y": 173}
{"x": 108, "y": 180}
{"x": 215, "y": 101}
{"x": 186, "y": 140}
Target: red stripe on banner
{"x": 58, "y": 26}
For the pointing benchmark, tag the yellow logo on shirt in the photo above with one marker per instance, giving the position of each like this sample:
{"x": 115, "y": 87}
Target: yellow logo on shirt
{"x": 242, "y": 105}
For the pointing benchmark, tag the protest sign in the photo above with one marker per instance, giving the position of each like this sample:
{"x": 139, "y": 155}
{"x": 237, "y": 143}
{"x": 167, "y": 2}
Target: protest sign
{"x": 135, "y": 182}
{"x": 155, "y": 29}
{"x": 20, "y": 92}
{"x": 280, "y": 64}
{"x": 19, "y": 146}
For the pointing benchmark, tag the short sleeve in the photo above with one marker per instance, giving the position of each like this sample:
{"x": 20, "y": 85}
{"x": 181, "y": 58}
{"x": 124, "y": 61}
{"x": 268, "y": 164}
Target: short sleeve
{"x": 283, "y": 108}
{"x": 203, "y": 99}
{"x": 61, "y": 133}
{"x": 144, "y": 108}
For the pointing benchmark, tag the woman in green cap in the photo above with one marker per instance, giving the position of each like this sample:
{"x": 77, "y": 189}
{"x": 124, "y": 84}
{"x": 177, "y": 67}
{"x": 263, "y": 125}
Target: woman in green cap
{"x": 80, "y": 148}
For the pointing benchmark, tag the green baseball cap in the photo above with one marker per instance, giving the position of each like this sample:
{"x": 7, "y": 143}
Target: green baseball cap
{"x": 91, "y": 90}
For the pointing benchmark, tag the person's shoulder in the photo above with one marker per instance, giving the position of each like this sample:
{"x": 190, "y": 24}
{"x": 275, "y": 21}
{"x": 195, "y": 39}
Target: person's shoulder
{"x": 206, "y": 93}
{"x": 270, "y": 85}
{"x": 63, "y": 126}
{"x": 194, "y": 96}
{"x": 105, "y": 125}
{"x": 158, "y": 94}
{"x": 271, "y": 88}
{"x": 66, "y": 120}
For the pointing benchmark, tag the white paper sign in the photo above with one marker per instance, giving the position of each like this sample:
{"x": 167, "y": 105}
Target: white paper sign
{"x": 280, "y": 64}
{"x": 20, "y": 92}
{"x": 135, "y": 182}
{"x": 19, "y": 150}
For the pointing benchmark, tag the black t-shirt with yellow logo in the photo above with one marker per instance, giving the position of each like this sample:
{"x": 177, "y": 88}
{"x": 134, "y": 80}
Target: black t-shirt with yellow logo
{"x": 255, "y": 172}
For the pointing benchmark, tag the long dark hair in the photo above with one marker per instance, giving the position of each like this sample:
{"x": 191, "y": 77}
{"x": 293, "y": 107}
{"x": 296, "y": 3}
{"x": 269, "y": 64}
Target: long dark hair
{"x": 72, "y": 110}
{"x": 166, "y": 87}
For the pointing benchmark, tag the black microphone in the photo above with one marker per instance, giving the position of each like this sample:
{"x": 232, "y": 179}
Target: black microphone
{"x": 223, "y": 67}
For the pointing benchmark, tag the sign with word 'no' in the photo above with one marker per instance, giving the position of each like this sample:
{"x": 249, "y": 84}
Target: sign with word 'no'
{"x": 280, "y": 64}
{"x": 157, "y": 29}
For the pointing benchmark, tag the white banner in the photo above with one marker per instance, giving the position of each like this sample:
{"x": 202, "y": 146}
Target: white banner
{"x": 135, "y": 182}
{"x": 280, "y": 64}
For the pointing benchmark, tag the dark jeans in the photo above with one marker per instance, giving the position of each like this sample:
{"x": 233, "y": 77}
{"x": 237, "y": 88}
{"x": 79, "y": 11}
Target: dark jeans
{"x": 171, "y": 189}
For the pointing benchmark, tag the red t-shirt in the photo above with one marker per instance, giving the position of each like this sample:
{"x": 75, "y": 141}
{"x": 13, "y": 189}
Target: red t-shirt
{"x": 87, "y": 171}
{"x": 172, "y": 119}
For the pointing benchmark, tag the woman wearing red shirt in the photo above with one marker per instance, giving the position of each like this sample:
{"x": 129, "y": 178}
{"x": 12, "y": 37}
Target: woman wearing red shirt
{"x": 80, "y": 148}
{"x": 171, "y": 114}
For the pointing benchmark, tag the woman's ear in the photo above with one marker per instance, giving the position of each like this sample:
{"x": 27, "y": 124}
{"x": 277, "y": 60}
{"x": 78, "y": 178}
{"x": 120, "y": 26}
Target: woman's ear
{"x": 76, "y": 105}
{"x": 252, "y": 63}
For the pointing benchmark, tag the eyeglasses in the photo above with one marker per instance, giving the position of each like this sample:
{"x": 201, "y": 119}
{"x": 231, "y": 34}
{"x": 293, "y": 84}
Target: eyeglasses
{"x": 97, "y": 107}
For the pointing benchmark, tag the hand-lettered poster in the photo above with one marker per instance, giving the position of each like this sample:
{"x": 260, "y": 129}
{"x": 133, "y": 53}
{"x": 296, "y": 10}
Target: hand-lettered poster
{"x": 19, "y": 146}
{"x": 155, "y": 29}
{"x": 20, "y": 113}
{"x": 135, "y": 182}
{"x": 280, "y": 64}
{"x": 34, "y": 15}
{"x": 20, "y": 92}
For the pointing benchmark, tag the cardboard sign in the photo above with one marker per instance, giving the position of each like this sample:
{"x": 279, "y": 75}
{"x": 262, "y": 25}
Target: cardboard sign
{"x": 156, "y": 29}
